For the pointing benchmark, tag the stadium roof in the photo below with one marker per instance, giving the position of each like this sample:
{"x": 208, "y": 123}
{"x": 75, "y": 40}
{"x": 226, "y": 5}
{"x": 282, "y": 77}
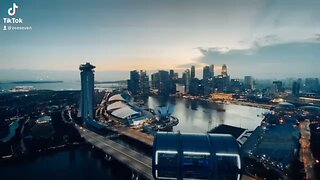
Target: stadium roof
{"x": 116, "y": 105}
{"x": 116, "y": 97}
{"x": 124, "y": 112}
{"x": 310, "y": 108}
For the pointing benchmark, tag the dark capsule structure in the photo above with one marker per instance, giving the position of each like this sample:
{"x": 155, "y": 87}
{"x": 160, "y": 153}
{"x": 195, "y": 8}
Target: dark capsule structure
{"x": 195, "y": 156}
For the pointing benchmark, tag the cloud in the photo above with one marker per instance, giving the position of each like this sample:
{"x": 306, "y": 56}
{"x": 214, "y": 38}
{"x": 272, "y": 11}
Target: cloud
{"x": 266, "y": 40}
{"x": 268, "y": 57}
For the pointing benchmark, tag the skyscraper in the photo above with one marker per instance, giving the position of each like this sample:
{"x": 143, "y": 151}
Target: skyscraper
{"x": 312, "y": 84}
{"x": 133, "y": 83}
{"x": 206, "y": 73}
{"x": 212, "y": 70}
{"x": 138, "y": 84}
{"x": 87, "y": 90}
{"x": 144, "y": 83}
{"x": 193, "y": 72}
{"x": 248, "y": 82}
{"x": 163, "y": 83}
{"x": 155, "y": 80}
{"x": 277, "y": 86}
{"x": 171, "y": 72}
{"x": 295, "y": 88}
{"x": 207, "y": 81}
{"x": 224, "y": 71}
{"x": 187, "y": 78}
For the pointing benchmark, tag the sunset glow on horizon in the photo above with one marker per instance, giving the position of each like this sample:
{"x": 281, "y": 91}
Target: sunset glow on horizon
{"x": 148, "y": 35}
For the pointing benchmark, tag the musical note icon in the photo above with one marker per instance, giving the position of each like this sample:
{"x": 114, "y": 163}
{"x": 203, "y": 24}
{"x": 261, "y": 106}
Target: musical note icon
{"x": 12, "y": 10}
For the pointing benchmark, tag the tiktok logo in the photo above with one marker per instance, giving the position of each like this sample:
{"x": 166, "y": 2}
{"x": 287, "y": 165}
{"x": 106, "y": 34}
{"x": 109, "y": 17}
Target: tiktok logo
{"x": 12, "y": 11}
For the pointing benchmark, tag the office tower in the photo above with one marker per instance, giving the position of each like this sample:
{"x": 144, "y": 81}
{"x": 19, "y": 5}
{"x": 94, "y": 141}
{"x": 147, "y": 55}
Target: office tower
{"x": 206, "y": 73}
{"x": 155, "y": 81}
{"x": 171, "y": 72}
{"x": 248, "y": 82}
{"x": 133, "y": 83}
{"x": 195, "y": 87}
{"x": 176, "y": 76}
{"x": 144, "y": 86}
{"x": 277, "y": 86}
{"x": 87, "y": 90}
{"x": 212, "y": 70}
{"x": 207, "y": 81}
{"x": 187, "y": 79}
{"x": 312, "y": 84}
{"x": 193, "y": 72}
{"x": 224, "y": 71}
{"x": 235, "y": 85}
{"x": 163, "y": 83}
{"x": 295, "y": 88}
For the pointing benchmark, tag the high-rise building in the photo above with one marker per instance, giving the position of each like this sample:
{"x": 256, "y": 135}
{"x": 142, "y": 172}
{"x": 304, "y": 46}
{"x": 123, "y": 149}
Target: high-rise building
{"x": 248, "y": 82}
{"x": 222, "y": 83}
{"x": 187, "y": 79}
{"x": 235, "y": 85}
{"x": 312, "y": 85}
{"x": 144, "y": 83}
{"x": 163, "y": 83}
{"x": 133, "y": 82}
{"x": 224, "y": 71}
{"x": 206, "y": 73}
{"x": 295, "y": 88}
{"x": 138, "y": 84}
{"x": 171, "y": 72}
{"x": 207, "y": 81}
{"x": 87, "y": 91}
{"x": 277, "y": 86}
{"x": 176, "y": 76}
{"x": 193, "y": 72}
{"x": 212, "y": 70}
{"x": 155, "y": 80}
{"x": 195, "y": 87}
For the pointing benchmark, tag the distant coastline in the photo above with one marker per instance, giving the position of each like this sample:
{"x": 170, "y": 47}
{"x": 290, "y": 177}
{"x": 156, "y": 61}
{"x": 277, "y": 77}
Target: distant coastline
{"x": 110, "y": 82}
{"x": 33, "y": 82}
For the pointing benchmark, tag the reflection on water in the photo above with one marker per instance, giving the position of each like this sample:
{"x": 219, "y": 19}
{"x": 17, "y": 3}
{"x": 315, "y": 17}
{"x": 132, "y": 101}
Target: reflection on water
{"x": 80, "y": 163}
{"x": 196, "y": 116}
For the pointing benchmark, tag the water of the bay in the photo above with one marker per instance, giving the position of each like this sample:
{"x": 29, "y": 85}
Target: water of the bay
{"x": 80, "y": 163}
{"x": 199, "y": 117}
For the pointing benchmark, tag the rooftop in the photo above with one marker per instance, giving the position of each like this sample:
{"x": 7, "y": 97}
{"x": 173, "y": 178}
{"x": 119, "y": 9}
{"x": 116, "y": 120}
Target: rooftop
{"x": 226, "y": 129}
{"x": 86, "y": 67}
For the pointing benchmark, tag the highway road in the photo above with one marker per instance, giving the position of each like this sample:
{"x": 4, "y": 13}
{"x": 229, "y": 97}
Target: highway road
{"x": 139, "y": 163}
{"x": 305, "y": 152}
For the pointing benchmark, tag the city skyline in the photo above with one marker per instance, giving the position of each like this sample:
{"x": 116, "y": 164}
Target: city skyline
{"x": 258, "y": 38}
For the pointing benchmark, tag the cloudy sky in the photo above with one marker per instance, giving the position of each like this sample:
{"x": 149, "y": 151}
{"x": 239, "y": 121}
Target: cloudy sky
{"x": 262, "y": 38}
